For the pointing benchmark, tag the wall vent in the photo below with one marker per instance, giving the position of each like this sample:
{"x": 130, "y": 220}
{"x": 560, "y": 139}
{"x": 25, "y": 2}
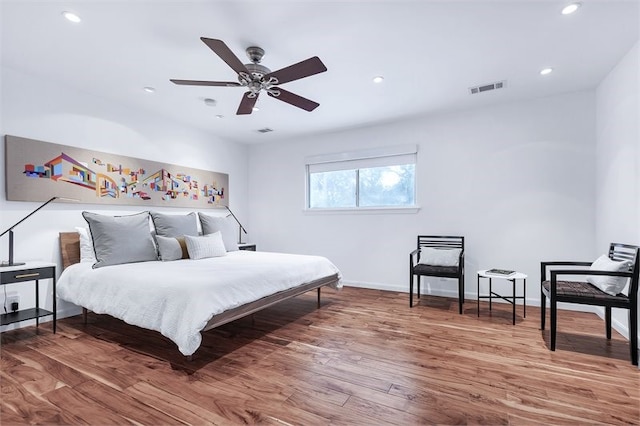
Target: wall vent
{"x": 487, "y": 87}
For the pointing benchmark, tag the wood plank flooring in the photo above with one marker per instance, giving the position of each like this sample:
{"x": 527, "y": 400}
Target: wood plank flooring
{"x": 363, "y": 358}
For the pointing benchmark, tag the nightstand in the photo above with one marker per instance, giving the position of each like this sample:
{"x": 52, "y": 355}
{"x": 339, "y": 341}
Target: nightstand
{"x": 247, "y": 246}
{"x": 31, "y": 271}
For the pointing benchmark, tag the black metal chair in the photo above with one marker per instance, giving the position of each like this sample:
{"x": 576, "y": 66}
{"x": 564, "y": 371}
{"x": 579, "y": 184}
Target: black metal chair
{"x": 587, "y": 294}
{"x": 416, "y": 268}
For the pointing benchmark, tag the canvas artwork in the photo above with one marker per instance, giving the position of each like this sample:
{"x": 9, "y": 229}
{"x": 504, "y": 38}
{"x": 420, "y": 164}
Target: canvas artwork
{"x": 37, "y": 171}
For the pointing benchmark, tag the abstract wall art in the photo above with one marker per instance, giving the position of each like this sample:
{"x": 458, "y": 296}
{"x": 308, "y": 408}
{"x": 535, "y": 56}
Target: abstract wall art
{"x": 36, "y": 171}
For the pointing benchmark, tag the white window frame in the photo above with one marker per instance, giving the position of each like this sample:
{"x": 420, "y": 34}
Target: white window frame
{"x": 356, "y": 160}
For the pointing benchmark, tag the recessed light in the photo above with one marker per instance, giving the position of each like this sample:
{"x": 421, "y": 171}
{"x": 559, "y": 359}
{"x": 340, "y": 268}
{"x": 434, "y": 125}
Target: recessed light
{"x": 378, "y": 79}
{"x": 255, "y": 109}
{"x": 568, "y": 10}
{"x": 219, "y": 116}
{"x": 70, "y": 16}
{"x": 546, "y": 71}
{"x": 149, "y": 89}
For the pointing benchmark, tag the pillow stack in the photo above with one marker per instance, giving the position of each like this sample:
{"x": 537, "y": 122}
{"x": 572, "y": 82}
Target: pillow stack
{"x": 170, "y": 234}
{"x": 113, "y": 240}
{"x": 227, "y": 227}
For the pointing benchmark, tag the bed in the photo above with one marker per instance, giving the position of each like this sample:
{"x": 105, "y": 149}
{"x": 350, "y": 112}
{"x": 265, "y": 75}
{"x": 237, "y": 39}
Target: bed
{"x": 183, "y": 298}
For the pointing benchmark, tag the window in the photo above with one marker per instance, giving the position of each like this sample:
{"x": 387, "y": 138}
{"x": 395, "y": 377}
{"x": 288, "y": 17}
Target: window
{"x": 383, "y": 177}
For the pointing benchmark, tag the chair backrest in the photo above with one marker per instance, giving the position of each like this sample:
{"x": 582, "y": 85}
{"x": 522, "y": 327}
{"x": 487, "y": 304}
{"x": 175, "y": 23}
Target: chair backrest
{"x": 440, "y": 241}
{"x": 619, "y": 252}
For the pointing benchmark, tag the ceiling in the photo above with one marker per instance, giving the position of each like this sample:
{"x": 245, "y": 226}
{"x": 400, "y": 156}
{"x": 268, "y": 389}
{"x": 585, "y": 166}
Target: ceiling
{"x": 429, "y": 52}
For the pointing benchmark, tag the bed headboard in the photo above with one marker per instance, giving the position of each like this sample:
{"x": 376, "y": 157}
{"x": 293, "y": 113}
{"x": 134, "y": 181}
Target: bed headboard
{"x": 69, "y": 248}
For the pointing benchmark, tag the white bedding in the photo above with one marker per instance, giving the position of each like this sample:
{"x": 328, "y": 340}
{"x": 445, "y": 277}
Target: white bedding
{"x": 178, "y": 298}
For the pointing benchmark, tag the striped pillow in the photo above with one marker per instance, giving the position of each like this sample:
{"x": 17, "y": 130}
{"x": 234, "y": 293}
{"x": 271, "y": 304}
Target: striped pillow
{"x": 206, "y": 246}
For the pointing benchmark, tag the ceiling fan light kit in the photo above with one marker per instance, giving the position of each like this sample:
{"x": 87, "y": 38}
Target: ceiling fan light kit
{"x": 571, "y": 8}
{"x": 72, "y": 17}
{"x": 257, "y": 77}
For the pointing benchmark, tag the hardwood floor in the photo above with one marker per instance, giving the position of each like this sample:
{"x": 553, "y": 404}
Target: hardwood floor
{"x": 363, "y": 358}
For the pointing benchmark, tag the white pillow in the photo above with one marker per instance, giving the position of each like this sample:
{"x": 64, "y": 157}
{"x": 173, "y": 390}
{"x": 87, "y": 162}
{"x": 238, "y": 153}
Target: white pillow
{"x": 86, "y": 245}
{"x": 206, "y": 246}
{"x": 439, "y": 257}
{"x": 610, "y": 285}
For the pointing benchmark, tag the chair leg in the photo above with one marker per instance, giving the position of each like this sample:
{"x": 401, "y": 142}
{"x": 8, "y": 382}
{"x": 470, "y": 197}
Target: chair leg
{"x": 419, "y": 282}
{"x": 410, "y": 290}
{"x": 607, "y": 321}
{"x": 633, "y": 334}
{"x": 460, "y": 294}
{"x": 543, "y": 309}
{"x": 553, "y": 307}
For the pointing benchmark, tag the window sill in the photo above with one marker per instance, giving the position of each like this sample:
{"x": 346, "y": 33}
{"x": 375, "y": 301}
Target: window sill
{"x": 365, "y": 210}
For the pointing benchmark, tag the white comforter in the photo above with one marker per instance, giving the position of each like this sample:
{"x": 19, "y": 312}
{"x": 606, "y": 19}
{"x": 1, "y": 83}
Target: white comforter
{"x": 179, "y": 298}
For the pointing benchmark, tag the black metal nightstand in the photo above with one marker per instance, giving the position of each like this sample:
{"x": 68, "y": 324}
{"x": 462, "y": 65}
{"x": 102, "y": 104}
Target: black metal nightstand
{"x": 31, "y": 271}
{"x": 247, "y": 246}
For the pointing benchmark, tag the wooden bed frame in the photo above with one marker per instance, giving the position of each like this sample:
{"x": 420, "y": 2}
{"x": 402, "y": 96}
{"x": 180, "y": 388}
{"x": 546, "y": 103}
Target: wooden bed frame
{"x": 70, "y": 250}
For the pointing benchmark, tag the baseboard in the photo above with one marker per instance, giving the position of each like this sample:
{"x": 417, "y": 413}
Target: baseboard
{"x": 620, "y": 327}
{"x": 469, "y": 295}
{"x": 374, "y": 286}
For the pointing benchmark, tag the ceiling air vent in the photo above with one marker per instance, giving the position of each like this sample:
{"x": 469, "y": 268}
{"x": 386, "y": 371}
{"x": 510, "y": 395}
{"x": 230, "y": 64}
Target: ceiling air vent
{"x": 487, "y": 87}
{"x": 265, "y": 130}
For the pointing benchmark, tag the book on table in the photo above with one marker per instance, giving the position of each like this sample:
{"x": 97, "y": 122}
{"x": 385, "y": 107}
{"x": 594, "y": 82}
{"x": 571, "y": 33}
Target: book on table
{"x": 501, "y": 272}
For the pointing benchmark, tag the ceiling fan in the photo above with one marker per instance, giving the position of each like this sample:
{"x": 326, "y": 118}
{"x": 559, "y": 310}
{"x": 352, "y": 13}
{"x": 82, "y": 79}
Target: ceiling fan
{"x": 257, "y": 77}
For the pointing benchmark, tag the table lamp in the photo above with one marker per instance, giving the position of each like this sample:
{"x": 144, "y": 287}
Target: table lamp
{"x": 241, "y": 227}
{"x": 10, "y": 262}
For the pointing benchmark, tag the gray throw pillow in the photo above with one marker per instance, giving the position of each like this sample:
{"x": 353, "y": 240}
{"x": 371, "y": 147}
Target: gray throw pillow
{"x": 172, "y": 248}
{"x": 175, "y": 225}
{"x": 227, "y": 226}
{"x": 121, "y": 239}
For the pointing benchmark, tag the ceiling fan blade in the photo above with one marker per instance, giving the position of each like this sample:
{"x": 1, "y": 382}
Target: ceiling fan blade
{"x": 205, "y": 83}
{"x": 246, "y": 104}
{"x": 297, "y": 71}
{"x": 225, "y": 54}
{"x": 293, "y": 99}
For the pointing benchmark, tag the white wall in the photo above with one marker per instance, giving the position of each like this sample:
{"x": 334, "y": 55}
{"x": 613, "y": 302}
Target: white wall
{"x": 618, "y": 160}
{"x": 46, "y": 111}
{"x": 516, "y": 180}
